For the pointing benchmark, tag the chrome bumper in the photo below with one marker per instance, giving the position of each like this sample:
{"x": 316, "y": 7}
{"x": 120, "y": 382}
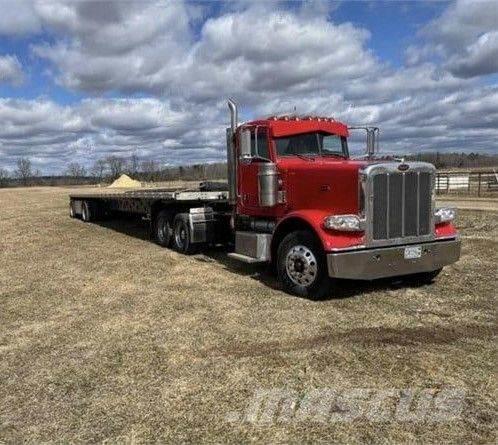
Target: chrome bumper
{"x": 383, "y": 262}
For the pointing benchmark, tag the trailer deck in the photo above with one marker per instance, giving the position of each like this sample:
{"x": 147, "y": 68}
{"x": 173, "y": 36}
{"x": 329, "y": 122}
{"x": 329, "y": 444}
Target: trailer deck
{"x": 141, "y": 201}
{"x": 173, "y": 195}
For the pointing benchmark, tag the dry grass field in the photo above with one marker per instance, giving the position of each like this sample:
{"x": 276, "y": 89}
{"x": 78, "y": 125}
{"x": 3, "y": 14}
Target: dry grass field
{"x": 106, "y": 337}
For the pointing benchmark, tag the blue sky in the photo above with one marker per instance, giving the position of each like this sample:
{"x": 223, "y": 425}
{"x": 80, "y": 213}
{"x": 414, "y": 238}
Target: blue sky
{"x": 81, "y": 80}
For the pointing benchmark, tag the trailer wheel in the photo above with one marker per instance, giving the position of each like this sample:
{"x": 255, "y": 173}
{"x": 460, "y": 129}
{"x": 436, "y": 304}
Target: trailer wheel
{"x": 301, "y": 266}
{"x": 181, "y": 235}
{"x": 72, "y": 213}
{"x": 86, "y": 212}
{"x": 162, "y": 230}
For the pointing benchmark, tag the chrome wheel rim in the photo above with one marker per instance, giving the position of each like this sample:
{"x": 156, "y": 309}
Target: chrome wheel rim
{"x": 301, "y": 265}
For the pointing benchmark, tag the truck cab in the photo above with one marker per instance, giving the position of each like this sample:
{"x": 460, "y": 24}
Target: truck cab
{"x": 302, "y": 203}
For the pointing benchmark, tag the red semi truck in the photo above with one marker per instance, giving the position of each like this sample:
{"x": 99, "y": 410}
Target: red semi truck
{"x": 296, "y": 199}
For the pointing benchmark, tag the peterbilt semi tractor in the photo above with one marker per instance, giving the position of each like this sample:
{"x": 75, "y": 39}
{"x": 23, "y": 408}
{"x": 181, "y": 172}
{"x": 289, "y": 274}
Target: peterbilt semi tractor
{"x": 296, "y": 199}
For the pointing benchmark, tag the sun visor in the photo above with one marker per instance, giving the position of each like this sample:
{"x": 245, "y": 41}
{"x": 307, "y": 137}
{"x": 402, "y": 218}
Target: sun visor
{"x": 282, "y": 128}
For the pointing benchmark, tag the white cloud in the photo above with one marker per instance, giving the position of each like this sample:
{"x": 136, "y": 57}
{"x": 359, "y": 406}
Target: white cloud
{"x": 116, "y": 45}
{"x": 18, "y": 17}
{"x": 152, "y": 49}
{"x": 11, "y": 70}
{"x": 271, "y": 59}
{"x": 479, "y": 58}
{"x": 465, "y": 36}
{"x": 54, "y": 135}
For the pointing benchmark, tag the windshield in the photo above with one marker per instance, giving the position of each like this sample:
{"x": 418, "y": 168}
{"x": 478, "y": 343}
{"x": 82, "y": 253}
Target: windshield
{"x": 312, "y": 144}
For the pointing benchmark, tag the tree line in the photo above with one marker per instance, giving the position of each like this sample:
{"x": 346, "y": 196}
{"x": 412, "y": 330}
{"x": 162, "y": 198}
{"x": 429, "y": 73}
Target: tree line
{"x": 456, "y": 160}
{"x": 106, "y": 170}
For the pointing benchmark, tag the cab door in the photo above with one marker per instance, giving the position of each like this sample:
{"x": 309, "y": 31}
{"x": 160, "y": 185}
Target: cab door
{"x": 248, "y": 203}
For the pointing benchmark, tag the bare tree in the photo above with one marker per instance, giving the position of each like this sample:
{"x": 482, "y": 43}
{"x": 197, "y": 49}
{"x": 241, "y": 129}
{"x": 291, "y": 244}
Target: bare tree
{"x": 24, "y": 170}
{"x": 75, "y": 170}
{"x": 116, "y": 166}
{"x": 4, "y": 177}
{"x": 150, "y": 170}
{"x": 133, "y": 165}
{"x": 99, "y": 169}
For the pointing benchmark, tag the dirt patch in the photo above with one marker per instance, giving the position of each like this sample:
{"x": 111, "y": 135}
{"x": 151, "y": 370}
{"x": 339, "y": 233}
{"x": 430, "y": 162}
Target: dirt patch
{"x": 428, "y": 335}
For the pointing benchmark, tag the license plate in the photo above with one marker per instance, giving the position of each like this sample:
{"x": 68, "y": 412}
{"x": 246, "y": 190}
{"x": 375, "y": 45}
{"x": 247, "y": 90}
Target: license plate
{"x": 413, "y": 252}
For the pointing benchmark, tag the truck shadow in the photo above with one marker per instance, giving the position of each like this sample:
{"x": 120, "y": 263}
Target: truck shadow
{"x": 131, "y": 226}
{"x": 341, "y": 289}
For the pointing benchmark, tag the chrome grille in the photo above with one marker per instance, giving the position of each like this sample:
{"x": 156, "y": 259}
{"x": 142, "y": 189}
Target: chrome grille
{"x": 400, "y": 204}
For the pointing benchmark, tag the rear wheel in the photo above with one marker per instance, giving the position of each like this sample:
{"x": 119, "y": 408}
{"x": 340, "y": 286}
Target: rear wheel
{"x": 301, "y": 266}
{"x": 181, "y": 235}
{"x": 162, "y": 230}
{"x": 72, "y": 213}
{"x": 86, "y": 211}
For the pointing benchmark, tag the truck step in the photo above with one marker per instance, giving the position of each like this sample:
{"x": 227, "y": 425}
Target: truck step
{"x": 245, "y": 258}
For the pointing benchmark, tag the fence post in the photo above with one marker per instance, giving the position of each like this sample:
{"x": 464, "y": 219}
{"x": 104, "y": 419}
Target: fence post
{"x": 479, "y": 184}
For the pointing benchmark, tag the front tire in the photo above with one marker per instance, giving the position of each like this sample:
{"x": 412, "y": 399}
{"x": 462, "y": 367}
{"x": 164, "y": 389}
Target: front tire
{"x": 301, "y": 266}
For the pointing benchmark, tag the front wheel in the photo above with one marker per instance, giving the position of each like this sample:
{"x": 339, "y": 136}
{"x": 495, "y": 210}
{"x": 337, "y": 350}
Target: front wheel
{"x": 301, "y": 266}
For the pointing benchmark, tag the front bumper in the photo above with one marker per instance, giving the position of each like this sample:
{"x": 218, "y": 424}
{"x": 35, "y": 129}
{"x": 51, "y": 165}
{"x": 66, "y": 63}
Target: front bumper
{"x": 370, "y": 264}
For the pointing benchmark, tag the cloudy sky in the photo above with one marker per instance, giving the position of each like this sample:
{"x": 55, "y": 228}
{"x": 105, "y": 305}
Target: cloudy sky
{"x": 81, "y": 80}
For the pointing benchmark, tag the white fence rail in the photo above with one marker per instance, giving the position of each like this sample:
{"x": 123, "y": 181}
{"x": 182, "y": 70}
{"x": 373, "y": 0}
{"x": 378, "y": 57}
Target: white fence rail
{"x": 471, "y": 183}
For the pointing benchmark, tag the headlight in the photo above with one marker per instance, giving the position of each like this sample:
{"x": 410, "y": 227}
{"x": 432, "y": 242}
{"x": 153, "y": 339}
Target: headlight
{"x": 444, "y": 214}
{"x": 348, "y": 223}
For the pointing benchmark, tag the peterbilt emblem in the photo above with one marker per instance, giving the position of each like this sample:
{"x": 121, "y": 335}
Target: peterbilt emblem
{"x": 403, "y": 167}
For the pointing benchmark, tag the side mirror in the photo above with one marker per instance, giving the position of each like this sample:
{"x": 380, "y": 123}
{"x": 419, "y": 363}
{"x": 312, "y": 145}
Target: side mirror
{"x": 245, "y": 144}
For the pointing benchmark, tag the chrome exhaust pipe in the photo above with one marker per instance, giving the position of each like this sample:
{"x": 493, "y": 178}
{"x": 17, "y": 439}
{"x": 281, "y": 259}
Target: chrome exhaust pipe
{"x": 231, "y": 156}
{"x": 234, "y": 114}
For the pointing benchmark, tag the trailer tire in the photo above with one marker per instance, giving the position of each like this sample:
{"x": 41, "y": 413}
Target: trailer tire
{"x": 72, "y": 212}
{"x": 301, "y": 266}
{"x": 162, "y": 230}
{"x": 86, "y": 212}
{"x": 181, "y": 235}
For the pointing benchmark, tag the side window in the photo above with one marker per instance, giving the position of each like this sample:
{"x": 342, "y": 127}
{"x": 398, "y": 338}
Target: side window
{"x": 259, "y": 143}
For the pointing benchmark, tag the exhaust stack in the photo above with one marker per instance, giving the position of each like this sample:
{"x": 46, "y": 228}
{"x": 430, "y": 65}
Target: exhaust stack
{"x": 231, "y": 155}
{"x": 234, "y": 114}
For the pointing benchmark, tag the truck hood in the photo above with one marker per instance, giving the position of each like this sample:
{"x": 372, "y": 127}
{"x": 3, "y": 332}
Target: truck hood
{"x": 329, "y": 183}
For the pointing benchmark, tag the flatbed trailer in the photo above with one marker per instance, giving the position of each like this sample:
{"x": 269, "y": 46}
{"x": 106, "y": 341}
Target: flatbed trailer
{"x": 199, "y": 216}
